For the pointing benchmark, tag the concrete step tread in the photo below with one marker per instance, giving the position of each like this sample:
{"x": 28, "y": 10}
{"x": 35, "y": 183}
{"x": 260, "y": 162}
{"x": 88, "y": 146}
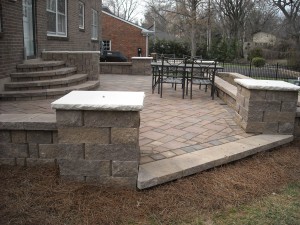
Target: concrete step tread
{"x": 48, "y": 92}
{"x": 39, "y": 63}
{"x": 162, "y": 171}
{"x": 64, "y": 80}
{"x": 60, "y": 71}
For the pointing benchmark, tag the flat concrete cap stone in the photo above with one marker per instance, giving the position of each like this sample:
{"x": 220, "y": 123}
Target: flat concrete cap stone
{"x": 28, "y": 122}
{"x": 142, "y": 58}
{"x": 101, "y": 100}
{"x": 272, "y": 85}
{"x": 77, "y": 52}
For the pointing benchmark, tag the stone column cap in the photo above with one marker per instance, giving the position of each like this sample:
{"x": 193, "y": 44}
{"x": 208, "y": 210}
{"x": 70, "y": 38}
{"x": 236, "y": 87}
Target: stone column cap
{"x": 101, "y": 100}
{"x": 273, "y": 85}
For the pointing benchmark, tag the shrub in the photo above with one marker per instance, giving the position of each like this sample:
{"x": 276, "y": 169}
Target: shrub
{"x": 255, "y": 52}
{"x": 258, "y": 61}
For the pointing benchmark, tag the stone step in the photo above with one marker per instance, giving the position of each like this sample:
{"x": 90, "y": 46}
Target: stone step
{"x": 162, "y": 171}
{"x": 39, "y": 65}
{"x": 43, "y": 75}
{"x": 45, "y": 93}
{"x": 46, "y": 84}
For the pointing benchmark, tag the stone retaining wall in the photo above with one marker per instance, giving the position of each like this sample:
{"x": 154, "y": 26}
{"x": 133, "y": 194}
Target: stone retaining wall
{"x": 115, "y": 67}
{"x": 25, "y": 139}
{"x": 228, "y": 93}
{"x": 138, "y": 66}
{"x": 86, "y": 62}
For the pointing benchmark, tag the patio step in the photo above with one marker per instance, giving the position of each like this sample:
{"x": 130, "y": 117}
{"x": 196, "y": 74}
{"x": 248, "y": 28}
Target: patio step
{"x": 39, "y": 65}
{"x": 162, "y": 171}
{"x": 43, "y": 75}
{"x": 46, "y": 93}
{"x": 46, "y": 84}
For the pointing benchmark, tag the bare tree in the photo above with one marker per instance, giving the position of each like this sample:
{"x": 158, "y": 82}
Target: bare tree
{"x": 126, "y": 9}
{"x": 291, "y": 12}
{"x": 233, "y": 13}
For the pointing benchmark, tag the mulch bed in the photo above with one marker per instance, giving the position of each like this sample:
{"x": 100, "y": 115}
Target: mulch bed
{"x": 37, "y": 196}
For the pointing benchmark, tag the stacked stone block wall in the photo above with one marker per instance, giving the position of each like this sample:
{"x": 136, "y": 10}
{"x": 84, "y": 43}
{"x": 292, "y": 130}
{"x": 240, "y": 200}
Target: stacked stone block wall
{"x": 115, "y": 68}
{"x": 266, "y": 111}
{"x": 138, "y": 66}
{"x": 109, "y": 152}
{"x": 94, "y": 146}
{"x": 86, "y": 62}
{"x": 141, "y": 65}
{"x": 25, "y": 138}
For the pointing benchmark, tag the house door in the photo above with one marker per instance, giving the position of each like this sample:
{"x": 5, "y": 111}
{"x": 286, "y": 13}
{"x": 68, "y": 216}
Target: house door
{"x": 28, "y": 29}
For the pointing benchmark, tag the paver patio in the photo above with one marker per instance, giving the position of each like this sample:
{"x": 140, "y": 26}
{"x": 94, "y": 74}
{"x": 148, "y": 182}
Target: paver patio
{"x": 178, "y": 137}
{"x": 170, "y": 126}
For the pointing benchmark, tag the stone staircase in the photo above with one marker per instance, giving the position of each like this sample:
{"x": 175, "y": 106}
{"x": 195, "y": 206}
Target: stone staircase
{"x": 37, "y": 79}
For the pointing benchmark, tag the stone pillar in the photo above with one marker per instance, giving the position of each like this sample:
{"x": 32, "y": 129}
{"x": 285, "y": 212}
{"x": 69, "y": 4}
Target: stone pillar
{"x": 141, "y": 65}
{"x": 266, "y": 106}
{"x": 106, "y": 125}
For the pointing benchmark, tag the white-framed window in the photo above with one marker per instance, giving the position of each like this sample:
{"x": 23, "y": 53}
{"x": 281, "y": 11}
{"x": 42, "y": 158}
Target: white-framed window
{"x": 81, "y": 15}
{"x": 106, "y": 45}
{"x": 94, "y": 25}
{"x": 57, "y": 18}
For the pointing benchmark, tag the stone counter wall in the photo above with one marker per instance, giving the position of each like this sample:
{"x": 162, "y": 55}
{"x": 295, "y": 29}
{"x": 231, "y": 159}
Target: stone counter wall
{"x": 84, "y": 148}
{"x": 138, "y": 66}
{"x": 86, "y": 62}
{"x": 25, "y": 139}
{"x": 115, "y": 67}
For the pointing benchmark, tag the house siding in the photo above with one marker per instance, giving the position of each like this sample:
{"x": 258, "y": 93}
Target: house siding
{"x": 11, "y": 39}
{"x": 124, "y": 37}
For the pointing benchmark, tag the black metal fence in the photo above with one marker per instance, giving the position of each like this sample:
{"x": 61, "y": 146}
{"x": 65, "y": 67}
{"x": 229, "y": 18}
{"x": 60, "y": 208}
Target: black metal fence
{"x": 267, "y": 72}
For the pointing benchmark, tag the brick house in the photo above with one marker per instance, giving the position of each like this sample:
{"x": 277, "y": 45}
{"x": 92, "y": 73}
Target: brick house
{"x": 28, "y": 27}
{"x": 123, "y": 36}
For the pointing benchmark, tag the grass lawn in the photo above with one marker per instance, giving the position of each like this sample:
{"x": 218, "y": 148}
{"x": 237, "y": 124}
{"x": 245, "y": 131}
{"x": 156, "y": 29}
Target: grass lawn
{"x": 262, "y": 189}
{"x": 281, "y": 207}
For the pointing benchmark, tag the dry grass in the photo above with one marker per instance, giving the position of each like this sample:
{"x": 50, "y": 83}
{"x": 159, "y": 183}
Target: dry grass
{"x": 35, "y": 195}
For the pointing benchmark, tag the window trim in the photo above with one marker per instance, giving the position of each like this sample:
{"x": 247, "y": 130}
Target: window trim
{"x": 59, "y": 34}
{"x": 82, "y": 26}
{"x": 94, "y": 25}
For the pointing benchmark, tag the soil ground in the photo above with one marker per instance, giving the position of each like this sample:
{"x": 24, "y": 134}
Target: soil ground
{"x": 37, "y": 196}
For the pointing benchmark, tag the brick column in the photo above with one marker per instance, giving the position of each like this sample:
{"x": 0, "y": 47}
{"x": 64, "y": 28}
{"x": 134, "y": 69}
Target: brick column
{"x": 106, "y": 125}
{"x": 267, "y": 107}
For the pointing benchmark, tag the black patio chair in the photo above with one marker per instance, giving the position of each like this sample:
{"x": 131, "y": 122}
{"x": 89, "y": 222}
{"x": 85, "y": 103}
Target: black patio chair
{"x": 202, "y": 73}
{"x": 173, "y": 72}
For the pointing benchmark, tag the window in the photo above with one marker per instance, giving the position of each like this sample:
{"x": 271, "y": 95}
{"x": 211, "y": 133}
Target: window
{"x": 94, "y": 25}
{"x": 106, "y": 45}
{"x": 57, "y": 18}
{"x": 81, "y": 15}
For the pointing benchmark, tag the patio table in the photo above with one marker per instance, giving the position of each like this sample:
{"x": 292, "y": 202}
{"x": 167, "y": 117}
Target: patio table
{"x": 157, "y": 70}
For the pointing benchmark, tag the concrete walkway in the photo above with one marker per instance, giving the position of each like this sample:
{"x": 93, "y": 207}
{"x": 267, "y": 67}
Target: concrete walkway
{"x": 172, "y": 129}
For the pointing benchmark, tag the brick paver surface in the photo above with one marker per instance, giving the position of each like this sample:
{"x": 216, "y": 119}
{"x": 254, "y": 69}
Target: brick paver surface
{"x": 170, "y": 126}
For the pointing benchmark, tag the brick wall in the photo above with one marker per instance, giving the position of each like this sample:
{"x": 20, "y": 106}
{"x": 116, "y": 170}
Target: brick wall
{"x": 11, "y": 39}
{"x": 77, "y": 39}
{"x": 124, "y": 37}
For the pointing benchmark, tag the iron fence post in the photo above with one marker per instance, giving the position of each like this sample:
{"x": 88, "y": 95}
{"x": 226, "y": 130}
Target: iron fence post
{"x": 250, "y": 68}
{"x": 277, "y": 71}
